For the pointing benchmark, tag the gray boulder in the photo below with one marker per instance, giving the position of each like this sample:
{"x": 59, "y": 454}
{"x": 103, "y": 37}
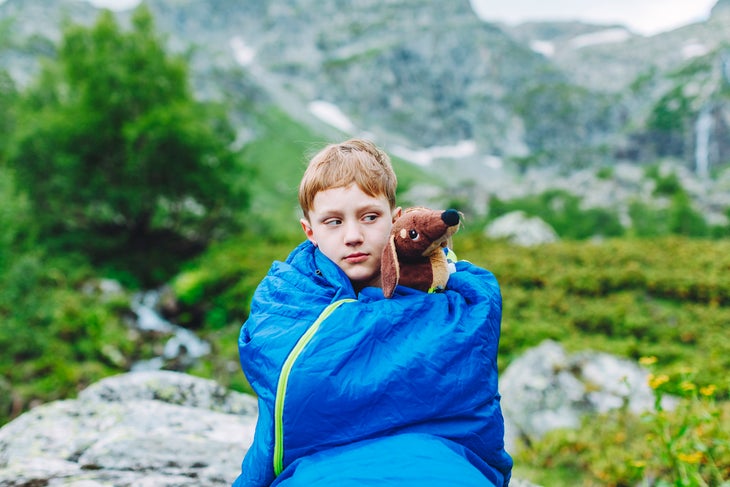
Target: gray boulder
{"x": 546, "y": 389}
{"x": 520, "y": 229}
{"x": 158, "y": 428}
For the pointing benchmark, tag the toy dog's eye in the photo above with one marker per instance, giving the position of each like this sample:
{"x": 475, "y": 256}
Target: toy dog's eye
{"x": 413, "y": 234}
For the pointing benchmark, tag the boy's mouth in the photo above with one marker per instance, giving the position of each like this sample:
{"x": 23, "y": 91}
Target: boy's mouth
{"x": 356, "y": 258}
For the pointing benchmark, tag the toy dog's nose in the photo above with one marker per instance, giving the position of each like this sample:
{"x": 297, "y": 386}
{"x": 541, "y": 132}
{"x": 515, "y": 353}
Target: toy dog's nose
{"x": 450, "y": 217}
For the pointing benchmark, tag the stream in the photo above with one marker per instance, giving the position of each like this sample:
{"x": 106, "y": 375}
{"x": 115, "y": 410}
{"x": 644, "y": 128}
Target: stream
{"x": 183, "y": 347}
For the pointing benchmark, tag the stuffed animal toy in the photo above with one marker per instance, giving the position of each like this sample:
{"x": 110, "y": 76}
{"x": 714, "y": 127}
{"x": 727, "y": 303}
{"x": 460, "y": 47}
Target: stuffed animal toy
{"x": 415, "y": 256}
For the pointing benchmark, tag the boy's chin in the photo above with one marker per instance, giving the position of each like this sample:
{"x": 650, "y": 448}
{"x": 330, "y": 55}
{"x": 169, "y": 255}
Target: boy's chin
{"x": 360, "y": 282}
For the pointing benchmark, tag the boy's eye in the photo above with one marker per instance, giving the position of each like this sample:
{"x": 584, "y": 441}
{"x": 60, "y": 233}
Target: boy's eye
{"x": 333, "y": 222}
{"x": 370, "y": 218}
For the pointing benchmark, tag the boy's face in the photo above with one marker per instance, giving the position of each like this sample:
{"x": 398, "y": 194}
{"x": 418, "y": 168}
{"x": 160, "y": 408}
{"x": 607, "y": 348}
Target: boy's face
{"x": 351, "y": 228}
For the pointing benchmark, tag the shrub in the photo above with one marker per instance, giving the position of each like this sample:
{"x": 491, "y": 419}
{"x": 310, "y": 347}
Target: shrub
{"x": 686, "y": 446}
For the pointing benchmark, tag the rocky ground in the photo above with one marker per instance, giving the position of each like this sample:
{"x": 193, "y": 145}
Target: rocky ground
{"x": 169, "y": 429}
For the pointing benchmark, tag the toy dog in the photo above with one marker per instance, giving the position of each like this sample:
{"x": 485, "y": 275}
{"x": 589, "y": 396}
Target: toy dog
{"x": 415, "y": 256}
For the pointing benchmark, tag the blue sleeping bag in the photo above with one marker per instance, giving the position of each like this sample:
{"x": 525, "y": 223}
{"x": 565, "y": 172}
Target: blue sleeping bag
{"x": 363, "y": 390}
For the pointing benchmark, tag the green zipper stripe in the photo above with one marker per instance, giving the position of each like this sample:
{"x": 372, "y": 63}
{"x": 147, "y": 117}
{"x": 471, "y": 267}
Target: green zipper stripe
{"x": 284, "y": 380}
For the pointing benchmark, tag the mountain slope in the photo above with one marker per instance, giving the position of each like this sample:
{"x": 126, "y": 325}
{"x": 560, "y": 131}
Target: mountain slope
{"x": 474, "y": 103}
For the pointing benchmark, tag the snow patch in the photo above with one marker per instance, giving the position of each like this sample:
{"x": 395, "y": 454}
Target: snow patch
{"x": 493, "y": 162}
{"x": 116, "y": 5}
{"x": 330, "y": 114}
{"x": 242, "y": 53}
{"x": 425, "y": 157}
{"x": 607, "y": 36}
{"x": 694, "y": 49}
{"x": 546, "y": 48}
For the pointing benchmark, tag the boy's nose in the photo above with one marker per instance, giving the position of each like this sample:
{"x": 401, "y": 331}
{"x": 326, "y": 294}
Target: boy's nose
{"x": 353, "y": 233}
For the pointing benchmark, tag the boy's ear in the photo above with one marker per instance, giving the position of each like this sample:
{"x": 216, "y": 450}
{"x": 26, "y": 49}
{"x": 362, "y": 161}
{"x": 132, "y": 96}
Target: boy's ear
{"x": 389, "y": 268}
{"x": 308, "y": 230}
{"x": 397, "y": 213}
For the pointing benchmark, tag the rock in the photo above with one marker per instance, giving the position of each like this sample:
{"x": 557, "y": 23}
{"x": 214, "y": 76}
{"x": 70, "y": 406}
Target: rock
{"x": 520, "y": 229}
{"x": 172, "y": 388}
{"x": 144, "y": 429}
{"x": 546, "y": 389}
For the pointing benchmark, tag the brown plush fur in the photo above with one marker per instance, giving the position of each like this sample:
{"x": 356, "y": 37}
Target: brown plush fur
{"x": 414, "y": 256}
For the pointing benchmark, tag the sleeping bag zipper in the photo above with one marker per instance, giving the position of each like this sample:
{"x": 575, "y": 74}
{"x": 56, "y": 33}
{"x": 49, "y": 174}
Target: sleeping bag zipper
{"x": 284, "y": 380}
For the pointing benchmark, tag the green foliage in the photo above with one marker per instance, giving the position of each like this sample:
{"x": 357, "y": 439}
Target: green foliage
{"x": 677, "y": 218}
{"x": 665, "y": 297}
{"x": 687, "y": 445}
{"x": 668, "y": 122}
{"x": 665, "y": 184}
{"x": 563, "y": 212}
{"x": 8, "y": 94}
{"x": 672, "y": 213}
{"x": 214, "y": 293}
{"x": 56, "y": 338}
{"x": 8, "y": 98}
{"x": 117, "y": 156}
{"x": 17, "y": 231}
{"x": 684, "y": 219}
{"x": 605, "y": 173}
{"x": 215, "y": 290}
{"x": 671, "y": 111}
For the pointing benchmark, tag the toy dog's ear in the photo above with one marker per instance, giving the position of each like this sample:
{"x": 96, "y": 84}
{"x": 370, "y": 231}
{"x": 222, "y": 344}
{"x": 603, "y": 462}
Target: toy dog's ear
{"x": 389, "y": 268}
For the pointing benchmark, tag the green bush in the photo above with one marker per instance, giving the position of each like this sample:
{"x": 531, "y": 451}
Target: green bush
{"x": 564, "y": 213}
{"x": 665, "y": 297}
{"x": 215, "y": 290}
{"x": 57, "y": 337}
{"x": 18, "y": 233}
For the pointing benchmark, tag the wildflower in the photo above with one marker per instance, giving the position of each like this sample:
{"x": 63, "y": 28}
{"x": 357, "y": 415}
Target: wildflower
{"x": 687, "y": 386}
{"x": 648, "y": 360}
{"x": 656, "y": 381}
{"x": 691, "y": 458}
{"x": 708, "y": 391}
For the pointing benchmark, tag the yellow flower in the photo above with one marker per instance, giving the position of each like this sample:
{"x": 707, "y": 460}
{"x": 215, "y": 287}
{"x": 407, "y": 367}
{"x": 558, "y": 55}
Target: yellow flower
{"x": 687, "y": 386}
{"x": 638, "y": 463}
{"x": 692, "y": 458}
{"x": 708, "y": 390}
{"x": 655, "y": 381}
{"x": 648, "y": 360}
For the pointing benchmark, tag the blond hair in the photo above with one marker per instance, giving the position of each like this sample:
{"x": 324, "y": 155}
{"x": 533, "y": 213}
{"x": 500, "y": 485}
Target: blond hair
{"x": 355, "y": 161}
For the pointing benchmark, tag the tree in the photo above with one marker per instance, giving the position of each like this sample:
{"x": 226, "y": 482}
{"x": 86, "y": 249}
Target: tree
{"x": 8, "y": 94}
{"x": 118, "y": 158}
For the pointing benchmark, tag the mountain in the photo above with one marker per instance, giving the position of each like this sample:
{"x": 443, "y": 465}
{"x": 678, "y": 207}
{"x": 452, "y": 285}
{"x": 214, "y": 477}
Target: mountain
{"x": 471, "y": 101}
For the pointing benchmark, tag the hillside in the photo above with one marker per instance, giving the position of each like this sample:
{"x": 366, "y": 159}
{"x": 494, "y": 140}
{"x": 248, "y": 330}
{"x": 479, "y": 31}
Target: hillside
{"x": 469, "y": 101}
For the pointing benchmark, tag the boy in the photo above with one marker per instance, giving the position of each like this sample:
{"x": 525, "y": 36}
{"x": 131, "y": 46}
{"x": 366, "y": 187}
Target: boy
{"x": 356, "y": 389}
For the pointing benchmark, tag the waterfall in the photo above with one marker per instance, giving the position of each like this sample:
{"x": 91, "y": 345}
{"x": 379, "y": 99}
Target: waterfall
{"x": 703, "y": 129}
{"x": 183, "y": 345}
